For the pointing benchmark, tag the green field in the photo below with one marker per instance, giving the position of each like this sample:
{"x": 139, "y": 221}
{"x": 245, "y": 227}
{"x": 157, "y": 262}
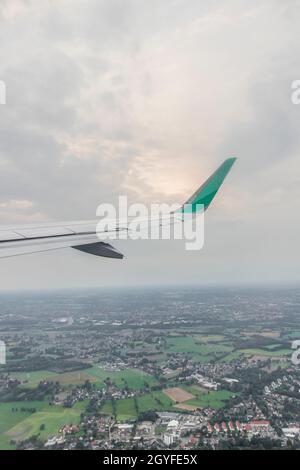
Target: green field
{"x": 210, "y": 338}
{"x": 214, "y": 399}
{"x": 235, "y": 355}
{"x": 53, "y": 420}
{"x": 107, "y": 408}
{"x": 263, "y": 352}
{"x": 32, "y": 379}
{"x": 156, "y": 401}
{"x": 81, "y": 405}
{"x": 73, "y": 378}
{"x": 9, "y": 418}
{"x": 126, "y": 410}
{"x": 201, "y": 351}
{"x": 18, "y": 425}
{"x": 271, "y": 347}
{"x": 5, "y": 443}
{"x": 292, "y": 334}
{"x": 133, "y": 378}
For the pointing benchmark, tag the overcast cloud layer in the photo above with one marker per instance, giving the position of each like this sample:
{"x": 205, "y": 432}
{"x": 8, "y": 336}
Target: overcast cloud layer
{"x": 146, "y": 98}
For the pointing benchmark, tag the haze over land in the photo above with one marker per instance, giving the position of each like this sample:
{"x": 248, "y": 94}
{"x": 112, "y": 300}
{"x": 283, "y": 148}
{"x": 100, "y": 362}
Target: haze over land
{"x": 146, "y": 99}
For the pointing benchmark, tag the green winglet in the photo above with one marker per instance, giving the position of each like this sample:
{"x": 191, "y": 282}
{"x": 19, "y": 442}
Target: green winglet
{"x": 207, "y": 191}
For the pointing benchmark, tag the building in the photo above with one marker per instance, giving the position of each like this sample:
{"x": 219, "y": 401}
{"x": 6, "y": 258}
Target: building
{"x": 292, "y": 431}
{"x": 231, "y": 426}
{"x": 257, "y": 426}
{"x": 173, "y": 425}
{"x": 217, "y": 427}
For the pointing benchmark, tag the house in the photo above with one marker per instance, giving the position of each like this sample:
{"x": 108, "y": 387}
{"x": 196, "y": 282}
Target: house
{"x": 231, "y": 426}
{"x": 238, "y": 426}
{"x": 217, "y": 427}
{"x": 292, "y": 431}
{"x": 257, "y": 426}
{"x": 209, "y": 428}
{"x": 173, "y": 425}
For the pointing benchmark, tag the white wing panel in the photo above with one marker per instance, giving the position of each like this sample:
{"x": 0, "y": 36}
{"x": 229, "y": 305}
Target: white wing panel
{"x": 15, "y": 248}
{"x": 45, "y": 232}
{"x": 9, "y": 235}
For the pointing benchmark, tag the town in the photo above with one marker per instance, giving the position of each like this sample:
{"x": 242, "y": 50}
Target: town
{"x": 150, "y": 369}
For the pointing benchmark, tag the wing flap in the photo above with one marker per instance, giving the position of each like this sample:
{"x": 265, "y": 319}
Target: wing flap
{"x": 36, "y": 245}
{"x": 100, "y": 249}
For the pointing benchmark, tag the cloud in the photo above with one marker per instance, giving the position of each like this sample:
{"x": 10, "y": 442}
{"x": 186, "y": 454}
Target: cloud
{"x": 145, "y": 99}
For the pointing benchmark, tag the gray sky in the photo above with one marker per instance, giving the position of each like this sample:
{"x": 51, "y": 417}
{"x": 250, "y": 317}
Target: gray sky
{"x": 146, "y": 98}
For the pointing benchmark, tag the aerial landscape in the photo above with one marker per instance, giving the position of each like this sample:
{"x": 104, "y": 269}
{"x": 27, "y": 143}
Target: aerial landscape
{"x": 181, "y": 368}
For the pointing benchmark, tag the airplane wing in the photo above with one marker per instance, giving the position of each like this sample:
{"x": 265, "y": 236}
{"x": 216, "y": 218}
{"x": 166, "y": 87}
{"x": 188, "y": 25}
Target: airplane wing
{"x": 84, "y": 235}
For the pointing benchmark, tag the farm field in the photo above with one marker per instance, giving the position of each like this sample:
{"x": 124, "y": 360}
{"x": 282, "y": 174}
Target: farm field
{"x": 156, "y": 401}
{"x": 203, "y": 351}
{"x": 178, "y": 394}
{"x": 168, "y": 400}
{"x": 32, "y": 379}
{"x": 264, "y": 352}
{"x": 210, "y": 338}
{"x": 73, "y": 378}
{"x": 11, "y": 413}
{"x": 133, "y": 378}
{"x": 185, "y": 407}
{"x": 126, "y": 409}
{"x": 213, "y": 399}
{"x": 233, "y": 356}
{"x": 52, "y": 421}
{"x": 18, "y": 422}
{"x": 292, "y": 334}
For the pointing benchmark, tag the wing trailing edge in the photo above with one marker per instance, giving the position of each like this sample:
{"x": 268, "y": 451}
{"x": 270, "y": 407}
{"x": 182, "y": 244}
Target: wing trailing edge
{"x": 100, "y": 249}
